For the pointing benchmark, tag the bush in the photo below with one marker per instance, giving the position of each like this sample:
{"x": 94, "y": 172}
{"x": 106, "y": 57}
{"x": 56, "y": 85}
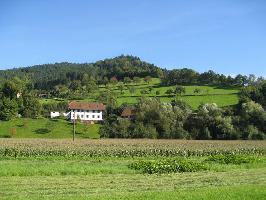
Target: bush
{"x": 232, "y": 159}
{"x": 179, "y": 133}
{"x": 167, "y": 166}
{"x": 142, "y": 131}
{"x": 257, "y": 136}
{"x": 249, "y": 131}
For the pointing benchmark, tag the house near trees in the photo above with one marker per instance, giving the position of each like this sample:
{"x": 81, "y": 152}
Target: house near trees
{"x": 128, "y": 112}
{"x": 90, "y": 112}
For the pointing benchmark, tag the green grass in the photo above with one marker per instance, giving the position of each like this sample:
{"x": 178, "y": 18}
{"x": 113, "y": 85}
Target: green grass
{"x": 54, "y": 176}
{"x": 110, "y": 178}
{"x": 51, "y": 101}
{"x": 210, "y": 94}
{"x": 46, "y": 128}
{"x": 222, "y": 96}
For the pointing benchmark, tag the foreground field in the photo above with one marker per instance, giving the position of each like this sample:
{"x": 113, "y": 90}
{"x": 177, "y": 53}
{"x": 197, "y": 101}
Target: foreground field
{"x": 99, "y": 169}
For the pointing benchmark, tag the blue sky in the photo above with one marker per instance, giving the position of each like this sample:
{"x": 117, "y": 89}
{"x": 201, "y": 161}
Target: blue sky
{"x": 227, "y": 36}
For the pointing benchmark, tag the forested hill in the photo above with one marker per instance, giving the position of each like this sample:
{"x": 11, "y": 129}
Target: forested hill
{"x": 122, "y": 68}
{"x": 49, "y": 75}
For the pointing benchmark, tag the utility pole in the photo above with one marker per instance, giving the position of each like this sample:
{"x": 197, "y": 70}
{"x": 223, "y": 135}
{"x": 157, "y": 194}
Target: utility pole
{"x": 74, "y": 126}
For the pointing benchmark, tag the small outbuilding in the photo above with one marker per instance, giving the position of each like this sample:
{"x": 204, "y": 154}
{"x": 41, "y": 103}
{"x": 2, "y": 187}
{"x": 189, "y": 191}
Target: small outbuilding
{"x": 129, "y": 112}
{"x": 55, "y": 114}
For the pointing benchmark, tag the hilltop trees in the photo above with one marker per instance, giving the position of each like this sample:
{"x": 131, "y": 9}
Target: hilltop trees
{"x": 187, "y": 76}
{"x": 46, "y": 77}
{"x": 180, "y": 76}
{"x": 83, "y": 78}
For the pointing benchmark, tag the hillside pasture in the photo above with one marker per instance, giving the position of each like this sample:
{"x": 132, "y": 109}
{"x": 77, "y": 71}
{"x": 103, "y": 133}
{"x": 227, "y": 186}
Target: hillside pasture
{"x": 46, "y": 128}
{"x": 222, "y": 96}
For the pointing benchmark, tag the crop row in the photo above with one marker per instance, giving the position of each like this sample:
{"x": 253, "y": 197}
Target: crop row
{"x": 126, "y": 148}
{"x": 28, "y": 152}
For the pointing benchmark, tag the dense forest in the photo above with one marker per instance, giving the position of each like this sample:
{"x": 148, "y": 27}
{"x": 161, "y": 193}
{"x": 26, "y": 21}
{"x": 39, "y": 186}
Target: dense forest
{"x": 46, "y": 77}
{"x": 21, "y": 89}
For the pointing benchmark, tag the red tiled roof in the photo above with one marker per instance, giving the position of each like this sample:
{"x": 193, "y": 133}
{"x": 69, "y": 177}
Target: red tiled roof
{"x": 128, "y": 112}
{"x": 86, "y": 105}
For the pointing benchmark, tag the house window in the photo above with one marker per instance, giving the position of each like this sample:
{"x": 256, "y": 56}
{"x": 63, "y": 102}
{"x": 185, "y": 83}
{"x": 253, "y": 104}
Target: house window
{"x": 87, "y": 116}
{"x": 93, "y": 116}
{"x": 81, "y": 116}
{"x": 98, "y": 116}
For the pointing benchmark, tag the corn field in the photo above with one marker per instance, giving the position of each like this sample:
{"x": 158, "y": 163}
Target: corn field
{"x": 126, "y": 148}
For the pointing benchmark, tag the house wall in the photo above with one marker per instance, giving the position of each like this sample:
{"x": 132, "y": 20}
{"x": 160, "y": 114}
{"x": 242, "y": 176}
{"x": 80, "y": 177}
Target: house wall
{"x": 86, "y": 115}
{"x": 55, "y": 114}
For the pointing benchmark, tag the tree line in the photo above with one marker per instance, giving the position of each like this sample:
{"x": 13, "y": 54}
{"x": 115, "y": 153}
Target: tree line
{"x": 187, "y": 76}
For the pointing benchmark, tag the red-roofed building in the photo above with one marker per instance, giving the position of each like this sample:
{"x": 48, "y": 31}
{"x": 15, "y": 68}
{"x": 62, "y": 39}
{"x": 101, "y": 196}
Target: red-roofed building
{"x": 128, "y": 112}
{"x": 86, "y": 111}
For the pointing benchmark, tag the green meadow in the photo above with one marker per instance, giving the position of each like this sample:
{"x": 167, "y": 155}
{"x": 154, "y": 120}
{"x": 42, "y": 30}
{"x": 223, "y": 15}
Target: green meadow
{"x": 46, "y": 128}
{"x": 222, "y": 96}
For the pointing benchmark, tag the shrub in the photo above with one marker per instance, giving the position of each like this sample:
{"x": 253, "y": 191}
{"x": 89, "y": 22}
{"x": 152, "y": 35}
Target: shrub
{"x": 249, "y": 131}
{"x": 167, "y": 166}
{"x": 232, "y": 159}
{"x": 257, "y": 136}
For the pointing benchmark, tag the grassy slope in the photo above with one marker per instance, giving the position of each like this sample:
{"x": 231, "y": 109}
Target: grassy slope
{"x": 45, "y": 128}
{"x": 221, "y": 96}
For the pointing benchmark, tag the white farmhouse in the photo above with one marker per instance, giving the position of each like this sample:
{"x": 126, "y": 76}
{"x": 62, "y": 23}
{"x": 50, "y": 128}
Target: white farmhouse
{"x": 86, "y": 112}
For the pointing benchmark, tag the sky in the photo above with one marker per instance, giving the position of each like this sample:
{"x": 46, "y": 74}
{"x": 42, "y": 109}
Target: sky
{"x": 227, "y": 36}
